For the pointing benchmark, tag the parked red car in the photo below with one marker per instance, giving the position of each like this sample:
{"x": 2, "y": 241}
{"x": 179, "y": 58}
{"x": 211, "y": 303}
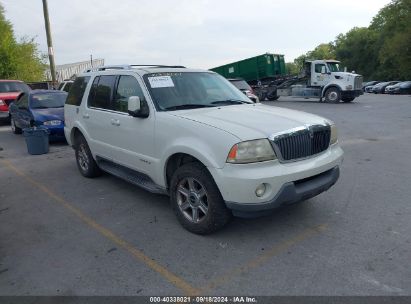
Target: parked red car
{"x": 9, "y": 90}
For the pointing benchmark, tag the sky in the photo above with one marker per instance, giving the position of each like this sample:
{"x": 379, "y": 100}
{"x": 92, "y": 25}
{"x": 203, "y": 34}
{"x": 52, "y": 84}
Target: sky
{"x": 193, "y": 33}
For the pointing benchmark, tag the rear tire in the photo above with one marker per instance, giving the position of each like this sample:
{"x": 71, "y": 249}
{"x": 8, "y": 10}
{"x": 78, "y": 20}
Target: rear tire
{"x": 14, "y": 128}
{"x": 84, "y": 159}
{"x": 197, "y": 201}
{"x": 332, "y": 95}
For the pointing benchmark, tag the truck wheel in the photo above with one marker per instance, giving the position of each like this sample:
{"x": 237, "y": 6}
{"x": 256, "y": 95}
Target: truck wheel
{"x": 196, "y": 200}
{"x": 348, "y": 99}
{"x": 14, "y": 128}
{"x": 84, "y": 159}
{"x": 332, "y": 95}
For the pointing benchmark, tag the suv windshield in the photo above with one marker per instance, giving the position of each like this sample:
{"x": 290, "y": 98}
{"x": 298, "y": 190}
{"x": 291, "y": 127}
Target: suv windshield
{"x": 334, "y": 67}
{"x": 13, "y": 86}
{"x": 188, "y": 90}
{"x": 45, "y": 101}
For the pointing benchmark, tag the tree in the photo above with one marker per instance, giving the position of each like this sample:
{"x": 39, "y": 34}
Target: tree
{"x": 380, "y": 51}
{"x": 357, "y": 50}
{"x": 322, "y": 51}
{"x": 393, "y": 23}
{"x": 18, "y": 59}
{"x": 292, "y": 68}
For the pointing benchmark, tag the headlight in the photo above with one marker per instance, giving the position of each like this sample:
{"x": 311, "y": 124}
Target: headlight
{"x": 334, "y": 135}
{"x": 251, "y": 151}
{"x": 52, "y": 123}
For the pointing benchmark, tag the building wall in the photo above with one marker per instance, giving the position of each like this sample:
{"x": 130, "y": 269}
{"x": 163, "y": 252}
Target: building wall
{"x": 66, "y": 71}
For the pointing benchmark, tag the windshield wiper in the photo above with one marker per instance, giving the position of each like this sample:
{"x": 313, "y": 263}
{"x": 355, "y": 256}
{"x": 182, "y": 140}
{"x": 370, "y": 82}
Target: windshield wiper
{"x": 187, "y": 106}
{"x": 230, "y": 101}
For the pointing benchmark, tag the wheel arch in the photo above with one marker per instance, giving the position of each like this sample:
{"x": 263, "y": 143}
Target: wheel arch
{"x": 333, "y": 85}
{"x": 175, "y": 161}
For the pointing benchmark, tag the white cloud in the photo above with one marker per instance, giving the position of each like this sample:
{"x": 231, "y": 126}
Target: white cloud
{"x": 196, "y": 33}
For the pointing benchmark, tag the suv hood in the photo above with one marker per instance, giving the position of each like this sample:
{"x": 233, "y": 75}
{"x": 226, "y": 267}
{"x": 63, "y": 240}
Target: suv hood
{"x": 249, "y": 122}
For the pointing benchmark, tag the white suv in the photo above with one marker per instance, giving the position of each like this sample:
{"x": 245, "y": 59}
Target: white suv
{"x": 192, "y": 135}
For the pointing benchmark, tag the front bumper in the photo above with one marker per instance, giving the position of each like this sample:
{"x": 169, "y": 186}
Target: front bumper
{"x": 291, "y": 192}
{"x": 56, "y": 132}
{"x": 237, "y": 183}
{"x": 351, "y": 94}
{"x": 4, "y": 114}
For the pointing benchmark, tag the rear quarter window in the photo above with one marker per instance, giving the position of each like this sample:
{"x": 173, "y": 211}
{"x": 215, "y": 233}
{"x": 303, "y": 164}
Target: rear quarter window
{"x": 77, "y": 91}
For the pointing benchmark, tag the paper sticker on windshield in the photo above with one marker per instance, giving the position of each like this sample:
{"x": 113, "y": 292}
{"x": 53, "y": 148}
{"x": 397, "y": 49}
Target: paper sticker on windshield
{"x": 161, "y": 82}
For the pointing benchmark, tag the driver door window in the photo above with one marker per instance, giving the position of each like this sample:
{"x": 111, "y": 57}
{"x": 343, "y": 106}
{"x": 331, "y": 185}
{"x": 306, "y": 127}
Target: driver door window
{"x": 318, "y": 68}
{"x": 127, "y": 86}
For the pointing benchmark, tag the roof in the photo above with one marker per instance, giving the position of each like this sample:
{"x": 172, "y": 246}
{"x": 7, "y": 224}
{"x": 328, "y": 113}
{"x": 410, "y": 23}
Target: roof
{"x": 141, "y": 69}
{"x": 10, "y": 80}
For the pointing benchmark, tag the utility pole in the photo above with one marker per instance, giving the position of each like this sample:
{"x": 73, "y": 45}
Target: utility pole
{"x": 49, "y": 43}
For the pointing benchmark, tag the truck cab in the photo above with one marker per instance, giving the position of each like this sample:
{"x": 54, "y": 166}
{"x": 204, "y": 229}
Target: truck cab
{"x": 324, "y": 79}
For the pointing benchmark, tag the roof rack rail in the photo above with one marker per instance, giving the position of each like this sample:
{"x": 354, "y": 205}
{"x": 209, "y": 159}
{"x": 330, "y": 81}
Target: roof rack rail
{"x": 158, "y": 66}
{"x": 110, "y": 67}
{"x": 130, "y": 66}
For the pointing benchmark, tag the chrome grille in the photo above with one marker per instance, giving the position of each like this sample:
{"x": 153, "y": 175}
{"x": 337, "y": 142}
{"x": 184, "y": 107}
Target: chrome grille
{"x": 358, "y": 83}
{"x": 302, "y": 143}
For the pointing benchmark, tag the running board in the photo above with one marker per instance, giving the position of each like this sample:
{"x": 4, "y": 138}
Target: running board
{"x": 131, "y": 176}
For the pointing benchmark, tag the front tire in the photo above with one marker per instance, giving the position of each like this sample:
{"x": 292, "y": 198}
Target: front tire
{"x": 333, "y": 95}
{"x": 14, "y": 128}
{"x": 84, "y": 159}
{"x": 196, "y": 200}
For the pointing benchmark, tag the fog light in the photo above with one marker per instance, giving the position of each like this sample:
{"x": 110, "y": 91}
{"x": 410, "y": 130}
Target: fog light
{"x": 260, "y": 190}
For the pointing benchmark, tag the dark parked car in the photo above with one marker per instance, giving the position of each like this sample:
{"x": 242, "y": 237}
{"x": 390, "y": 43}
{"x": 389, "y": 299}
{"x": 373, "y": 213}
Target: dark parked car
{"x": 390, "y": 89}
{"x": 369, "y": 83}
{"x": 380, "y": 88}
{"x": 403, "y": 88}
{"x": 244, "y": 87}
{"x": 39, "y": 108}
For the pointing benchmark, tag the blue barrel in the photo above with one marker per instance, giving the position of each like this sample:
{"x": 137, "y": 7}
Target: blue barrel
{"x": 37, "y": 140}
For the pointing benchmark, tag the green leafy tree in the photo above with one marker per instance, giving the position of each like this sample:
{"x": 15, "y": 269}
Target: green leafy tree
{"x": 18, "y": 59}
{"x": 322, "y": 51}
{"x": 357, "y": 50}
{"x": 381, "y": 51}
{"x": 292, "y": 68}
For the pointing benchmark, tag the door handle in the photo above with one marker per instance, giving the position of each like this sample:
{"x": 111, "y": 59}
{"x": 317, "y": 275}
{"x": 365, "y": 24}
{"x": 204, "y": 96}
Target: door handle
{"x": 86, "y": 116}
{"x": 115, "y": 122}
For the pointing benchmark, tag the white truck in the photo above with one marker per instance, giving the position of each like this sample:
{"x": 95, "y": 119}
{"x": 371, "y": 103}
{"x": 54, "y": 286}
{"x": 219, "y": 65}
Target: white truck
{"x": 192, "y": 135}
{"x": 323, "y": 79}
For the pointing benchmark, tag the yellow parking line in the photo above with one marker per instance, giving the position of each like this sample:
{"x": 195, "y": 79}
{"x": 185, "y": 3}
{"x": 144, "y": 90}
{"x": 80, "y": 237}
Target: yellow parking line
{"x": 168, "y": 275}
{"x": 259, "y": 260}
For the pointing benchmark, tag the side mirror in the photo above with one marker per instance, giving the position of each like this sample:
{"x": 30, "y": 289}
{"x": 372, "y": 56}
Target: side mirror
{"x": 134, "y": 105}
{"x": 137, "y": 107}
{"x": 323, "y": 71}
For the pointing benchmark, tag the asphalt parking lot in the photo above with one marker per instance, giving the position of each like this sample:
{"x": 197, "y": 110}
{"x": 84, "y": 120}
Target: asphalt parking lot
{"x": 63, "y": 234}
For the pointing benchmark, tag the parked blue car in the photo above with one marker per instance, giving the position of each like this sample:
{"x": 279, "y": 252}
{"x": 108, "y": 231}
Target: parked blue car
{"x": 39, "y": 108}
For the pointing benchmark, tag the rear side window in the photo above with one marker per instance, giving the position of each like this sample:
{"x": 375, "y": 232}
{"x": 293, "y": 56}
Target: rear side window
{"x": 67, "y": 87}
{"x": 127, "y": 86}
{"x": 77, "y": 91}
{"x": 101, "y": 92}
